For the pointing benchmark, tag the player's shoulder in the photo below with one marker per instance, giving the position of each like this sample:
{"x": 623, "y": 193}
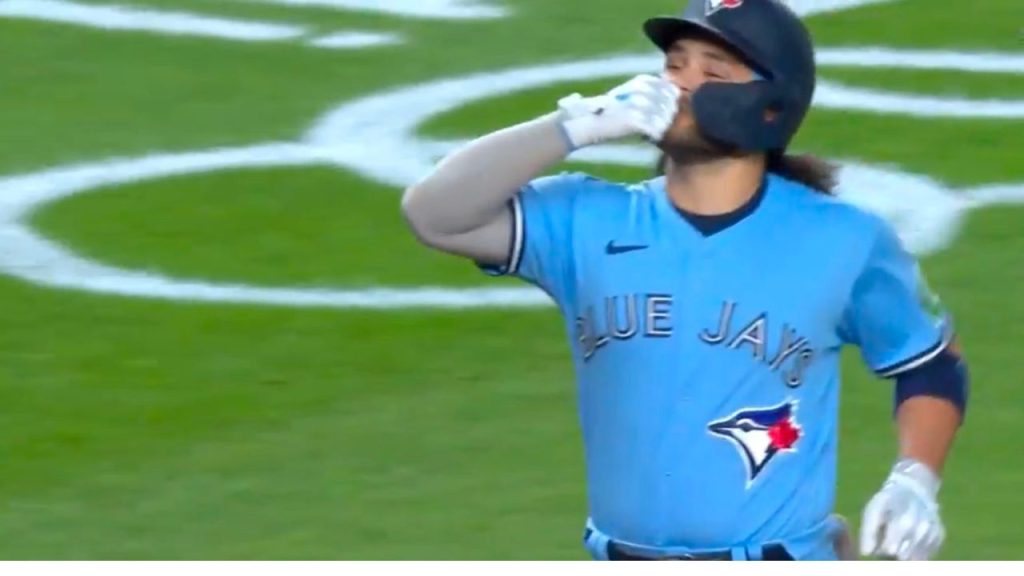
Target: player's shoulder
{"x": 593, "y": 191}
{"x": 829, "y": 225}
{"x": 827, "y": 214}
{"x": 584, "y": 181}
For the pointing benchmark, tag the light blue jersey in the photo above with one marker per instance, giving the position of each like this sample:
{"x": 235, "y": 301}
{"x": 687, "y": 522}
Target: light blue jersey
{"x": 708, "y": 367}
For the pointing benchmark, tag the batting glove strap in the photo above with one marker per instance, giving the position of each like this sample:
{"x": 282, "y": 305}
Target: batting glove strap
{"x": 581, "y": 120}
{"x": 916, "y": 477}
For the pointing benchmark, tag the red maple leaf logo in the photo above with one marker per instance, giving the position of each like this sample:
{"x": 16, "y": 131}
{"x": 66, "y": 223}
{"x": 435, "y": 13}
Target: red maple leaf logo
{"x": 783, "y": 435}
{"x": 716, "y": 5}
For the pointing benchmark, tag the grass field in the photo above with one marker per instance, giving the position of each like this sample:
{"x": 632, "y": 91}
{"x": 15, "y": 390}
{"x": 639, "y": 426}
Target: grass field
{"x": 170, "y": 429}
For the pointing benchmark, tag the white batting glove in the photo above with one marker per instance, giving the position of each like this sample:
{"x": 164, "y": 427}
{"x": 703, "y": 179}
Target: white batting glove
{"x": 902, "y": 520}
{"x": 644, "y": 106}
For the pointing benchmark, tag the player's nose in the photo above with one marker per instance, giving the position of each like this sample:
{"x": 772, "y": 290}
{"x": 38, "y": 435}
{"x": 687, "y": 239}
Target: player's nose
{"x": 687, "y": 78}
{"x": 685, "y": 95}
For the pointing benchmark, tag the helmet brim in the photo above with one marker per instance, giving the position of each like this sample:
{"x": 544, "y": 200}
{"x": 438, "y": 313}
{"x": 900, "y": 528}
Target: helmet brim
{"x": 664, "y": 31}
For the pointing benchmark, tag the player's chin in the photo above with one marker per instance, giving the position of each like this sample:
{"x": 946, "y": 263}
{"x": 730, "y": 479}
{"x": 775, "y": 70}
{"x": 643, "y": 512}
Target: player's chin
{"x": 685, "y": 144}
{"x": 684, "y": 122}
{"x": 683, "y": 132}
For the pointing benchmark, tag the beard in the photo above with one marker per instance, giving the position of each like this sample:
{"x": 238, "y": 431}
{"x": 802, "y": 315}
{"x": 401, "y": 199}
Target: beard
{"x": 685, "y": 144}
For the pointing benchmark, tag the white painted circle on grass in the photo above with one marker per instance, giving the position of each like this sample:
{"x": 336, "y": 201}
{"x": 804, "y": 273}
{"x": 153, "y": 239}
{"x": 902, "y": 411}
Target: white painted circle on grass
{"x": 376, "y": 137}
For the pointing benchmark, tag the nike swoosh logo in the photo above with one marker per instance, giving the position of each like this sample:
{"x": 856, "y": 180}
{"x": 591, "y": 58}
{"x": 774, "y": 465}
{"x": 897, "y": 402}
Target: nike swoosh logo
{"x": 612, "y": 249}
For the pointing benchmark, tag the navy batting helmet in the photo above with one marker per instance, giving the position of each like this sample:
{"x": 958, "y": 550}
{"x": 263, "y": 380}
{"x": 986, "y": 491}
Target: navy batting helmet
{"x": 770, "y": 38}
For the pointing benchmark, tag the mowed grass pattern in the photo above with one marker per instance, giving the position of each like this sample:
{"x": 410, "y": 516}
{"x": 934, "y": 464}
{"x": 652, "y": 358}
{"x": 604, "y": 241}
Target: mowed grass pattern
{"x": 166, "y": 430}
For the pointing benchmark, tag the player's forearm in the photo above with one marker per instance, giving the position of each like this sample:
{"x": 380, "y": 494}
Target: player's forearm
{"x": 472, "y": 186}
{"x": 927, "y": 428}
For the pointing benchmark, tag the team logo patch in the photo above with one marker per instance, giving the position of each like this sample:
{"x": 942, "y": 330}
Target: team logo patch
{"x": 760, "y": 434}
{"x": 716, "y": 5}
{"x": 929, "y": 300}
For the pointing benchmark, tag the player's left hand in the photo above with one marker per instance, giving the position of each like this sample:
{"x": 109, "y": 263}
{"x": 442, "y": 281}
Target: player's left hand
{"x": 902, "y": 520}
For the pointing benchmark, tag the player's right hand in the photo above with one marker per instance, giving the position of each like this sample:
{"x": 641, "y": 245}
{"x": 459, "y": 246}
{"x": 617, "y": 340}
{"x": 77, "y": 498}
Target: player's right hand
{"x": 645, "y": 105}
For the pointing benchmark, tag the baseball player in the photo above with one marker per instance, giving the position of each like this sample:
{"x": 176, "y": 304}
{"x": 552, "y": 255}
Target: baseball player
{"x": 706, "y": 308}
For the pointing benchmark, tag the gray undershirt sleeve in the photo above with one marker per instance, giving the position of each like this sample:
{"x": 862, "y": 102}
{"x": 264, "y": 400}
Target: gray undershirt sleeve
{"x": 461, "y": 207}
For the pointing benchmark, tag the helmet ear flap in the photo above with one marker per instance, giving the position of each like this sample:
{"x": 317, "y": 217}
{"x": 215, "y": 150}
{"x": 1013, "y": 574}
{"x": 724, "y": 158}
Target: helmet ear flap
{"x": 772, "y": 40}
{"x": 749, "y": 117}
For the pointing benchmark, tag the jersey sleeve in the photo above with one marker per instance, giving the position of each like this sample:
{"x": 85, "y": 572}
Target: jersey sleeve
{"x": 541, "y": 247}
{"x": 892, "y": 315}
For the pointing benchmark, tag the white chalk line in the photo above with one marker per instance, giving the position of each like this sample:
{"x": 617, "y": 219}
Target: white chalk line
{"x": 36, "y": 259}
{"x": 876, "y": 57}
{"x": 33, "y": 258}
{"x": 433, "y": 9}
{"x": 350, "y": 40}
{"x": 176, "y": 23}
{"x": 128, "y": 18}
{"x": 113, "y": 17}
{"x": 996, "y": 194}
{"x": 389, "y": 120}
{"x": 367, "y": 136}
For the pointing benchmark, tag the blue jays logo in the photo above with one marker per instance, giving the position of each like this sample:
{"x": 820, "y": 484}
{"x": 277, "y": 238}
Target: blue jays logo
{"x": 760, "y": 434}
{"x": 716, "y": 5}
